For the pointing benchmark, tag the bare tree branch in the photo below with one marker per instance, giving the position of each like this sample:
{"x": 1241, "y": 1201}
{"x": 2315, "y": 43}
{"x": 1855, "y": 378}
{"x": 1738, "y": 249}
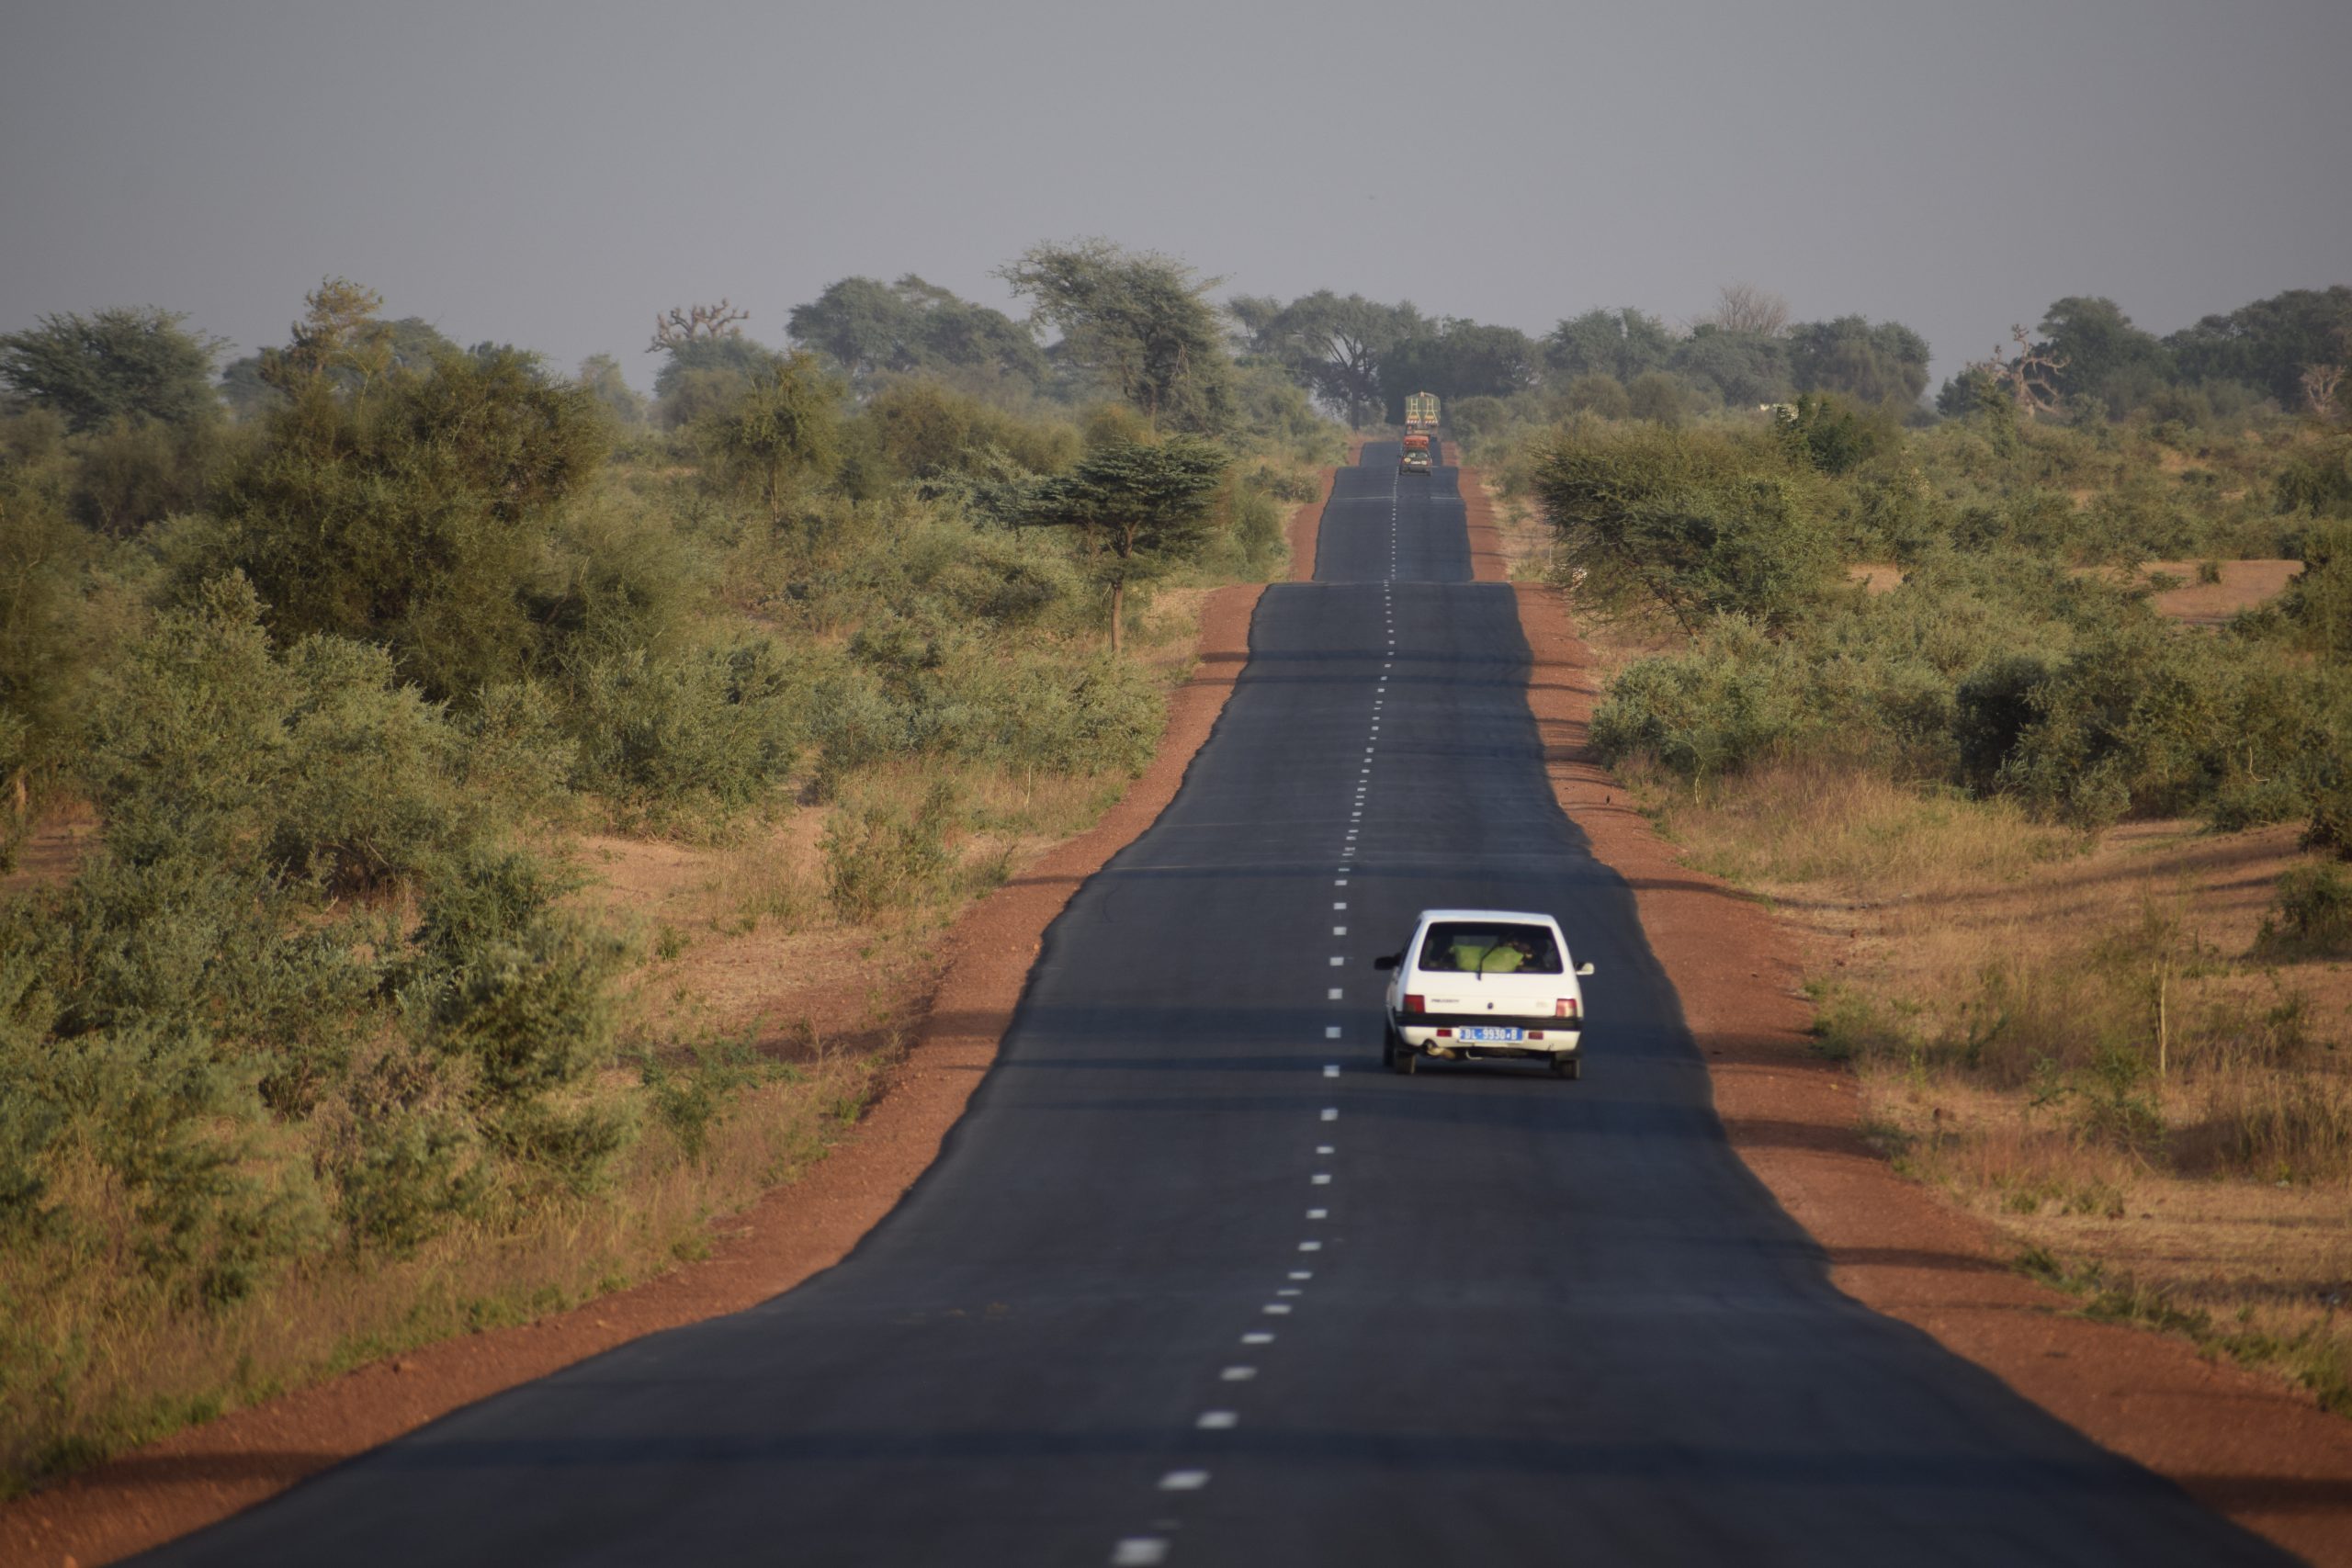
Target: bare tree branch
{"x": 2320, "y": 384}
{"x": 1746, "y": 308}
{"x": 2028, "y": 378}
{"x": 687, "y": 324}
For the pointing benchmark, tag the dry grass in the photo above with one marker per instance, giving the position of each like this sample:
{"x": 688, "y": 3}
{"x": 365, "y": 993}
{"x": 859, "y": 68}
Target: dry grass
{"x": 2208, "y": 594}
{"x": 2079, "y": 1039}
{"x": 124, "y": 1364}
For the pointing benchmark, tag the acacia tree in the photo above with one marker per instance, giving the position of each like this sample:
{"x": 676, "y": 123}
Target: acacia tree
{"x": 1883, "y": 364}
{"x": 1624, "y": 343}
{"x": 1138, "y": 320}
{"x": 340, "y": 336}
{"x": 1140, "y": 509}
{"x": 1456, "y": 358}
{"x": 120, "y": 364}
{"x": 872, "y": 329}
{"x": 1330, "y": 344}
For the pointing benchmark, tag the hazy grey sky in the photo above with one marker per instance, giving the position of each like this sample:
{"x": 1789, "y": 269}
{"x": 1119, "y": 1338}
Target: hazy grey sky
{"x": 554, "y": 174}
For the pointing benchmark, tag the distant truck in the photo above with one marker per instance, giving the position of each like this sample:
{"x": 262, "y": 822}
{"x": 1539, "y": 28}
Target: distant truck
{"x": 1416, "y": 458}
{"x": 1420, "y": 410}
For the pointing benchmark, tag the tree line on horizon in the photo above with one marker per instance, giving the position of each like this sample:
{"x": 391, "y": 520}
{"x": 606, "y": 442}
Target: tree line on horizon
{"x": 142, "y": 382}
{"x": 1361, "y": 358}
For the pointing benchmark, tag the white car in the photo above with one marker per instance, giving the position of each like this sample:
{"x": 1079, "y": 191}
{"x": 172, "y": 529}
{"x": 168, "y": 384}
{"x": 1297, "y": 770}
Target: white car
{"x": 1476, "y": 983}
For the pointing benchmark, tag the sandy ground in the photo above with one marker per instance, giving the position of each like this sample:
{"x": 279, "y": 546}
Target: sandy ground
{"x": 208, "y": 1472}
{"x": 2263, "y": 1454}
{"x": 2245, "y": 584}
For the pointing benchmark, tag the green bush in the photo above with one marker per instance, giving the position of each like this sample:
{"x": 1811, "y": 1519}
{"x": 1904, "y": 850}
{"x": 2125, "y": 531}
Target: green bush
{"x": 1835, "y": 436}
{"x": 2313, "y": 916}
{"x": 1992, "y": 709}
{"x": 879, "y": 857}
{"x": 516, "y": 758}
{"x": 51, "y": 637}
{"x": 1734, "y": 698}
{"x": 408, "y": 1160}
{"x": 2330, "y": 827}
{"x": 690, "y": 1095}
{"x": 716, "y": 726}
{"x": 2317, "y": 604}
{"x": 204, "y": 741}
{"x": 1656, "y": 396}
{"x": 2319, "y": 482}
{"x": 1698, "y": 522}
{"x": 506, "y": 982}
{"x": 1599, "y": 394}
{"x": 421, "y": 516}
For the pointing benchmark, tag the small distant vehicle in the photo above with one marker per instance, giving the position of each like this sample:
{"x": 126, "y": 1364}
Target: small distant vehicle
{"x": 1415, "y": 459}
{"x": 1420, "y": 410}
{"x": 1485, "y": 984}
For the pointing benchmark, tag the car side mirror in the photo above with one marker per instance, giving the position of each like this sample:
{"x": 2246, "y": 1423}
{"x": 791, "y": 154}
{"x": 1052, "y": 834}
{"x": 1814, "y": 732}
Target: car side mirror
{"x": 1584, "y": 968}
{"x": 1386, "y": 961}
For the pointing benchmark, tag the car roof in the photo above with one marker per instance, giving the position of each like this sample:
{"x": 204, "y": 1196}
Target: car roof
{"x": 1524, "y": 917}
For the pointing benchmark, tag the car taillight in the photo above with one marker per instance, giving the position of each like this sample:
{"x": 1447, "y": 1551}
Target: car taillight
{"x": 1565, "y": 1007}
{"x": 1414, "y": 1004}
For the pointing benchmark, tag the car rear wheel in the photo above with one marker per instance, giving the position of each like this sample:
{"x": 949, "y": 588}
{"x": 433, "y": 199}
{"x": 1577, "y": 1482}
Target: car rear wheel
{"x": 1567, "y": 1066}
{"x": 1399, "y": 1056}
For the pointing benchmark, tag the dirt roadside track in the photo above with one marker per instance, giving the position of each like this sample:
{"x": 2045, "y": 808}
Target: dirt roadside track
{"x": 208, "y": 1472}
{"x": 2248, "y": 1446}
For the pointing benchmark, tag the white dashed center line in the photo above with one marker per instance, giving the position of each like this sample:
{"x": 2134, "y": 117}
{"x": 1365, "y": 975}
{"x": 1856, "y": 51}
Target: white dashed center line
{"x": 1184, "y": 1480}
{"x": 1138, "y": 1551}
{"x": 1218, "y": 1420}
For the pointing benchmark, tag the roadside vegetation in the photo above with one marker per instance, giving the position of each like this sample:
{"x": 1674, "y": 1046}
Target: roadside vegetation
{"x": 1968, "y": 691}
{"x": 467, "y": 825}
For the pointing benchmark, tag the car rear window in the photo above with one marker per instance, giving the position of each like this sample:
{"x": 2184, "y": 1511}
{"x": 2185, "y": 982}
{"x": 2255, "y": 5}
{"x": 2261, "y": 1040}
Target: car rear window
{"x": 1490, "y": 947}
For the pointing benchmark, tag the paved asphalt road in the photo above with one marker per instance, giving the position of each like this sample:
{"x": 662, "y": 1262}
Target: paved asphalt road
{"x": 1197, "y": 1282}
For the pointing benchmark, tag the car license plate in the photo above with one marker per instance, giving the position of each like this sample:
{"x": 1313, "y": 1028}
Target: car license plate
{"x": 1477, "y": 1033}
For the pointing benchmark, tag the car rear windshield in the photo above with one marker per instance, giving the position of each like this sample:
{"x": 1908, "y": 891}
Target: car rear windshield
{"x": 1490, "y": 947}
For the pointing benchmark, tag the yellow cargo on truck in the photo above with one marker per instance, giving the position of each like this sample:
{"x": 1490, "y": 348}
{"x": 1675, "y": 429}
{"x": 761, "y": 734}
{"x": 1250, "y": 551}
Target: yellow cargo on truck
{"x": 1420, "y": 410}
